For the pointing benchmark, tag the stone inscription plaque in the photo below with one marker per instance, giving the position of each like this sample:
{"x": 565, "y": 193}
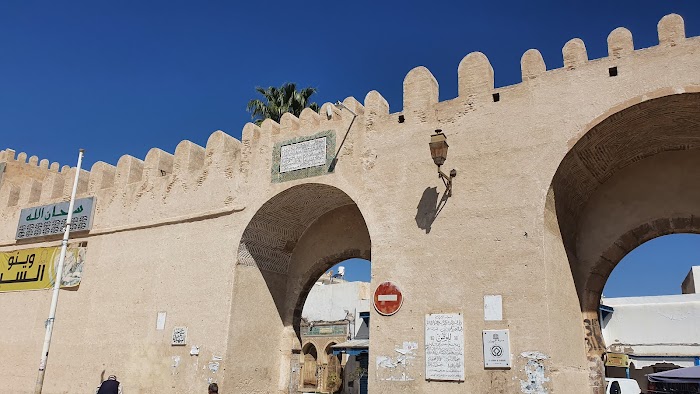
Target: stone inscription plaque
{"x": 444, "y": 346}
{"x": 302, "y": 155}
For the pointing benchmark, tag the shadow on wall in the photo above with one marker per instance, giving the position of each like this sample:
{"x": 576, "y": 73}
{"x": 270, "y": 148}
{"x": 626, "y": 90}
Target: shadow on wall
{"x": 429, "y": 208}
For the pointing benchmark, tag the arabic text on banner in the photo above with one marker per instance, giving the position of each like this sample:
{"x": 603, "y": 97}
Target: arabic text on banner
{"x": 34, "y": 269}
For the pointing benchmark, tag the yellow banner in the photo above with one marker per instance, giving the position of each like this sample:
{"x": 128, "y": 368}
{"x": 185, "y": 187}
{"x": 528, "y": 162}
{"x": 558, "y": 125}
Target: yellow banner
{"x": 35, "y": 269}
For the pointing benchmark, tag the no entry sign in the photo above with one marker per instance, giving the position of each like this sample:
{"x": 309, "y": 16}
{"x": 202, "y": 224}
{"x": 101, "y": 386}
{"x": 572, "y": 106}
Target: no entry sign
{"x": 387, "y": 298}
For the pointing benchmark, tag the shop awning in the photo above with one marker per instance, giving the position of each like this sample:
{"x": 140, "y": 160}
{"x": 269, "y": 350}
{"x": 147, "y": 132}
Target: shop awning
{"x": 352, "y": 347}
{"x": 680, "y": 375}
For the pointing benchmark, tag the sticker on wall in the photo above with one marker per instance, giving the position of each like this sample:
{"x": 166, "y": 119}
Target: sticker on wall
{"x": 160, "y": 321}
{"x": 179, "y": 336}
{"x": 493, "y": 307}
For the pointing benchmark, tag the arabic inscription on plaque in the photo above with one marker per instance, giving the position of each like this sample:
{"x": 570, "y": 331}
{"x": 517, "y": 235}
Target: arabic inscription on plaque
{"x": 444, "y": 346}
{"x": 302, "y": 155}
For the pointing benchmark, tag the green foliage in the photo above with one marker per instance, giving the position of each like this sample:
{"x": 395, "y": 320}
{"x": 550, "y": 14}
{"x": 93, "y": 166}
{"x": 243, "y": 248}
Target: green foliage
{"x": 333, "y": 380}
{"x": 276, "y": 101}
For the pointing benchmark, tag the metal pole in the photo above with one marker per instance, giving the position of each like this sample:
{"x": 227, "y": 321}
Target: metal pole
{"x": 57, "y": 283}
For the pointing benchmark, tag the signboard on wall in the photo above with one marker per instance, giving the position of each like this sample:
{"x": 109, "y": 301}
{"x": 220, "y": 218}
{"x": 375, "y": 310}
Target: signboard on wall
{"x": 617, "y": 360}
{"x": 326, "y": 330}
{"x": 51, "y": 219}
{"x": 496, "y": 348}
{"x": 35, "y": 269}
{"x": 444, "y": 346}
{"x": 302, "y": 155}
{"x": 387, "y": 298}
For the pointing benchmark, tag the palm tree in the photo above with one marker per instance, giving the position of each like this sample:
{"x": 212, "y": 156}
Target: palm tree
{"x": 277, "y": 101}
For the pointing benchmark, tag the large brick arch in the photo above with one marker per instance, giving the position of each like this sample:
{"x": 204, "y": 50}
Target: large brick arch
{"x": 290, "y": 241}
{"x": 630, "y": 178}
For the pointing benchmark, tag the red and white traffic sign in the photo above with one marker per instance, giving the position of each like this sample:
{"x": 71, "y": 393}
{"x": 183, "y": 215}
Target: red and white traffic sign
{"x": 387, "y": 298}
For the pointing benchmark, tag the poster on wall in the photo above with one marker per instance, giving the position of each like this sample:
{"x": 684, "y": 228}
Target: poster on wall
{"x": 444, "y": 346}
{"x": 35, "y": 269}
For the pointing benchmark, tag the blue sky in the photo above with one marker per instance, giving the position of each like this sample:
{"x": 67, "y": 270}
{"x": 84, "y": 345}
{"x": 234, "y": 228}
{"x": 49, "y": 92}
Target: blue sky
{"x": 121, "y": 77}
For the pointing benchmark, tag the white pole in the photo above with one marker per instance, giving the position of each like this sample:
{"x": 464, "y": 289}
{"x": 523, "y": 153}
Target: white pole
{"x": 57, "y": 282}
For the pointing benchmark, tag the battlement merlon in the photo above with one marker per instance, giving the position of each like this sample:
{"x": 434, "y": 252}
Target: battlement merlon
{"x": 160, "y": 174}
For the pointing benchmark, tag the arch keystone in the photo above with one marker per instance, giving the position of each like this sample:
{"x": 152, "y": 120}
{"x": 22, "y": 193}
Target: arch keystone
{"x": 671, "y": 29}
{"x": 620, "y": 42}
{"x": 532, "y": 64}
{"x": 475, "y": 75}
{"x": 575, "y": 54}
{"x": 420, "y": 90}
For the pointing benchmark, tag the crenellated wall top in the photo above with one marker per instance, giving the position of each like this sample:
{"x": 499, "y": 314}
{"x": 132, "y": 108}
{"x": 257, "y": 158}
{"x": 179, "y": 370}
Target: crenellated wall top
{"x": 191, "y": 167}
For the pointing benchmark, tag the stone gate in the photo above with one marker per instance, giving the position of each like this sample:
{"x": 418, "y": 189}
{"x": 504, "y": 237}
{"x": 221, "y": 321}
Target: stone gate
{"x": 558, "y": 177}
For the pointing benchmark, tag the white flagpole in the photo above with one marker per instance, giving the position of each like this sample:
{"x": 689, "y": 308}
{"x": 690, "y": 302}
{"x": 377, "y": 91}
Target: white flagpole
{"x": 57, "y": 282}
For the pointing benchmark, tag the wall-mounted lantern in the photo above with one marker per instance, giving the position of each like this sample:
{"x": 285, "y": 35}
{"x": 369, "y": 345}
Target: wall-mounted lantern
{"x": 438, "y": 150}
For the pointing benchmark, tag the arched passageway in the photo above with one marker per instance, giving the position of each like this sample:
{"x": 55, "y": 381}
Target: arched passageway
{"x": 309, "y": 367}
{"x": 289, "y": 243}
{"x": 630, "y": 178}
{"x": 650, "y": 311}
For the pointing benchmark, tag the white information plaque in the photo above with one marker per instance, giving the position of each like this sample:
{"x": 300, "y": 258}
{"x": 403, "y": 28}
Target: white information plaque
{"x": 444, "y": 346}
{"x": 302, "y": 155}
{"x": 496, "y": 349}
